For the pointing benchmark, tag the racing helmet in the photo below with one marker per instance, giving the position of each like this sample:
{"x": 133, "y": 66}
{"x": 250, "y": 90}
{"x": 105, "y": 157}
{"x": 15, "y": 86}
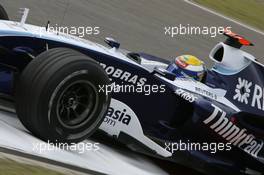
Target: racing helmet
{"x": 187, "y": 66}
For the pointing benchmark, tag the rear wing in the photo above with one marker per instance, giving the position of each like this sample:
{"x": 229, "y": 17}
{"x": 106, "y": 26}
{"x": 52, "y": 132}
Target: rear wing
{"x": 235, "y": 40}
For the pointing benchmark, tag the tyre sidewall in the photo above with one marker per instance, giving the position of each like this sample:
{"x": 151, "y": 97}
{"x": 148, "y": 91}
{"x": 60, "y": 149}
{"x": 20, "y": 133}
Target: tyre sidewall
{"x": 46, "y": 105}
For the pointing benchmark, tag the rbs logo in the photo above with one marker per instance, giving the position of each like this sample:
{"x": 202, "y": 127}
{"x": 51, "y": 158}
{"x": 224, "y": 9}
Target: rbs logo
{"x": 248, "y": 93}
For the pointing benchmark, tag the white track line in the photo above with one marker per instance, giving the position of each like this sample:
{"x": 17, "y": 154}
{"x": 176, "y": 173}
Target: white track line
{"x": 225, "y": 17}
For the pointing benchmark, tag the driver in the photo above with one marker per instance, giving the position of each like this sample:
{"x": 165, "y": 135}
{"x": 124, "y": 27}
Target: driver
{"x": 188, "y": 66}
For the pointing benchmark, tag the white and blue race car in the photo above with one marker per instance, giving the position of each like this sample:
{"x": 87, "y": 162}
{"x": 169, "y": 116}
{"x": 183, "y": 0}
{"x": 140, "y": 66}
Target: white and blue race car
{"x": 65, "y": 88}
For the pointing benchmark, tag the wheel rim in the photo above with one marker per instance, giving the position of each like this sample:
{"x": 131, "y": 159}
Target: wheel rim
{"x": 76, "y": 104}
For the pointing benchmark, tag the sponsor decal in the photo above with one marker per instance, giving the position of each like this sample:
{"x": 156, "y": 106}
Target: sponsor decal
{"x": 232, "y": 133}
{"x": 186, "y": 95}
{"x": 124, "y": 75}
{"x": 113, "y": 115}
{"x": 205, "y": 93}
{"x": 242, "y": 90}
{"x": 250, "y": 94}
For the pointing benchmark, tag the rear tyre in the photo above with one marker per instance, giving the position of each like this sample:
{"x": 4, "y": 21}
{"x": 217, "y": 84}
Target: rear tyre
{"x": 3, "y": 14}
{"x": 58, "y": 98}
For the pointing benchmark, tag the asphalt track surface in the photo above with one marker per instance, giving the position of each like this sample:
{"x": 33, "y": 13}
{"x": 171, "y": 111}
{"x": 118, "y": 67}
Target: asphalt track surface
{"x": 138, "y": 25}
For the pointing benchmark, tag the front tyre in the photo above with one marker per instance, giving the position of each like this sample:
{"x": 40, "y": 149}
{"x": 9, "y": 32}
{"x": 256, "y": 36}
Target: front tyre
{"x": 58, "y": 97}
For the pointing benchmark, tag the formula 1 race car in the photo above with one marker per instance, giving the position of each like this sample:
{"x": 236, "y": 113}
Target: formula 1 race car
{"x": 65, "y": 88}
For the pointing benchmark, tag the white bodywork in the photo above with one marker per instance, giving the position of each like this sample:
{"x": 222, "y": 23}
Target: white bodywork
{"x": 233, "y": 61}
{"x": 134, "y": 128}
